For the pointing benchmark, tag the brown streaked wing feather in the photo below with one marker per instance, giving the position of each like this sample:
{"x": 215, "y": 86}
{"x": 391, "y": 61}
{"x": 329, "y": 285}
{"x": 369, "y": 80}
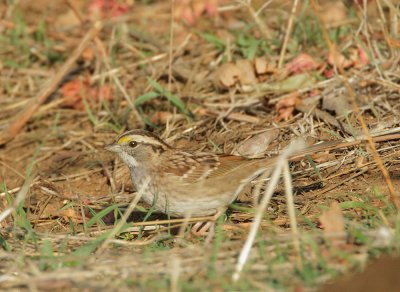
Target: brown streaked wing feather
{"x": 195, "y": 167}
{"x": 192, "y": 167}
{"x": 229, "y": 163}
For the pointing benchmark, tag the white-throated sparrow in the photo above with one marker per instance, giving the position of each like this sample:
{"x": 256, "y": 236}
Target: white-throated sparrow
{"x": 183, "y": 182}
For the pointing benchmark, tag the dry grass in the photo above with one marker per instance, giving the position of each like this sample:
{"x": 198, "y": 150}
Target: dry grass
{"x": 62, "y": 197}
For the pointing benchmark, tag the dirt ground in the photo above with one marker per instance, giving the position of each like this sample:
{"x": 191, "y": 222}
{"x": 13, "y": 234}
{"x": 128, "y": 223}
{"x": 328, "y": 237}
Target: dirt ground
{"x": 235, "y": 77}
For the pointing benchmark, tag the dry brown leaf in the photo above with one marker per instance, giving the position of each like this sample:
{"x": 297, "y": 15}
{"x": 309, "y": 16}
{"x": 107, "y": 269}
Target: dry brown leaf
{"x": 88, "y": 54}
{"x": 76, "y": 90}
{"x": 242, "y": 72}
{"x": 302, "y": 63}
{"x": 99, "y": 9}
{"x": 340, "y": 60}
{"x": 261, "y": 66}
{"x": 359, "y": 57}
{"x": 286, "y": 106}
{"x": 71, "y": 214}
{"x": 227, "y": 75}
{"x": 257, "y": 144}
{"x": 332, "y": 220}
{"x": 338, "y": 104}
{"x": 191, "y": 10}
{"x": 247, "y": 76}
{"x": 71, "y": 92}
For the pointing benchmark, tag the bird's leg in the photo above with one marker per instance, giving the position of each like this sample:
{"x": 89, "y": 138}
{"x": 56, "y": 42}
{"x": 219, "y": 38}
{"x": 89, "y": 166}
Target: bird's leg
{"x": 204, "y": 228}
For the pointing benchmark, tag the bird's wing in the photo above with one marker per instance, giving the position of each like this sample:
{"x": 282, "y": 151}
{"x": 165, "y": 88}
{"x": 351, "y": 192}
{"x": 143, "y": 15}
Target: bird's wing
{"x": 194, "y": 167}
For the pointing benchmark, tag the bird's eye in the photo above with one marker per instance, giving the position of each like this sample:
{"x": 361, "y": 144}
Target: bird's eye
{"x": 132, "y": 144}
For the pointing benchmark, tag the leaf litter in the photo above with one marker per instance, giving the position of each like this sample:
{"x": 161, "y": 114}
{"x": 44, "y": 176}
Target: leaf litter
{"x": 222, "y": 92}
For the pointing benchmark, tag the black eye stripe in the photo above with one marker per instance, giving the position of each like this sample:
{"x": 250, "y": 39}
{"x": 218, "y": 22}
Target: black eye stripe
{"x": 156, "y": 148}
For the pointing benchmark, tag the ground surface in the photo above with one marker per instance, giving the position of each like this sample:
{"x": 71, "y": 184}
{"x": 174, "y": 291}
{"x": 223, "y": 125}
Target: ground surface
{"x": 247, "y": 80}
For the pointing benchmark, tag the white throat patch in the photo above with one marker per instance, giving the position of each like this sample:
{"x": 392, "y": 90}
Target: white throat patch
{"x": 129, "y": 160}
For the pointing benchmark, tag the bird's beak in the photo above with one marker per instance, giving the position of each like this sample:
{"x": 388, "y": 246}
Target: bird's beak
{"x": 113, "y": 147}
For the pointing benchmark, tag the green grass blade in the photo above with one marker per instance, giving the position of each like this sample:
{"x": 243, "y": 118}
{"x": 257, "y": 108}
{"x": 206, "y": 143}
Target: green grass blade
{"x": 98, "y": 216}
{"x": 146, "y": 97}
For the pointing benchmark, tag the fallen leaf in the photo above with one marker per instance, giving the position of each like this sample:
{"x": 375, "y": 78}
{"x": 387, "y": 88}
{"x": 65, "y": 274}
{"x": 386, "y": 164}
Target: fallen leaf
{"x": 227, "y": 75}
{"x": 247, "y": 76}
{"x": 240, "y": 73}
{"x": 337, "y": 103}
{"x": 262, "y": 66}
{"x": 100, "y": 9}
{"x": 302, "y": 63}
{"x": 257, "y": 144}
{"x": 286, "y": 106}
{"x": 71, "y": 92}
{"x": 339, "y": 60}
{"x": 292, "y": 83}
{"x": 329, "y": 73}
{"x": 104, "y": 92}
{"x": 71, "y": 214}
{"x": 332, "y": 220}
{"x": 88, "y": 54}
{"x": 76, "y": 90}
{"x": 191, "y": 10}
{"x": 359, "y": 57}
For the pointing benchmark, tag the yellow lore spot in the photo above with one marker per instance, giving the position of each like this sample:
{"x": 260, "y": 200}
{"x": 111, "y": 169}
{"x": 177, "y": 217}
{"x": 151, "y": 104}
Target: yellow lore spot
{"x": 124, "y": 139}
